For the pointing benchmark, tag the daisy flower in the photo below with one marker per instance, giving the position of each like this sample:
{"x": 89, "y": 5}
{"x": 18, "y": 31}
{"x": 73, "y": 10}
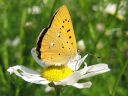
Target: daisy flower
{"x": 35, "y": 10}
{"x": 111, "y": 9}
{"x": 69, "y": 74}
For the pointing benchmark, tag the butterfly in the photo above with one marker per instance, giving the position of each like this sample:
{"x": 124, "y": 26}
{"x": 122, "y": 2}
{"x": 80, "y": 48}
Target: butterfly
{"x": 56, "y": 44}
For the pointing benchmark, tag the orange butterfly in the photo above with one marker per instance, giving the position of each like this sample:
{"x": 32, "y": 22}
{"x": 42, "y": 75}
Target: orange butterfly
{"x": 56, "y": 44}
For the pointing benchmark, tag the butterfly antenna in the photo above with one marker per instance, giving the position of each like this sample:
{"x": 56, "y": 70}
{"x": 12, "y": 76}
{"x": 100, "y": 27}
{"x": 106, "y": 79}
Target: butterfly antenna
{"x": 96, "y": 56}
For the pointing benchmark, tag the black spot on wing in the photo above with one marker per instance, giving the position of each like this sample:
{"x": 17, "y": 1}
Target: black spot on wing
{"x": 39, "y": 42}
{"x": 58, "y": 36}
{"x": 70, "y": 37}
{"x": 68, "y": 30}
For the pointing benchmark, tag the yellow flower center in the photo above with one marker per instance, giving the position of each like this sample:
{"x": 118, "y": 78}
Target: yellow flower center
{"x": 56, "y": 73}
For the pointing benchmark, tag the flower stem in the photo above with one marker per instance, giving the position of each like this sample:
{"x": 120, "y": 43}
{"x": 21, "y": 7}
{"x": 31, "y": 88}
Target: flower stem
{"x": 57, "y": 89}
{"x": 118, "y": 79}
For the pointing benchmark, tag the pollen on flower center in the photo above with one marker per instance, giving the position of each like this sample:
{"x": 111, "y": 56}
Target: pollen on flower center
{"x": 56, "y": 73}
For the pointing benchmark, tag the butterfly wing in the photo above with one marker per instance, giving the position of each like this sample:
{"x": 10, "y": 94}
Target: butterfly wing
{"x": 62, "y": 21}
{"x": 57, "y": 43}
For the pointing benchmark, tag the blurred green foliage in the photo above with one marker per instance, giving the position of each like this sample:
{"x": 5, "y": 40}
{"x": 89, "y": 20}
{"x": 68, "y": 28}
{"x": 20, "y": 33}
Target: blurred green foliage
{"x": 104, "y": 34}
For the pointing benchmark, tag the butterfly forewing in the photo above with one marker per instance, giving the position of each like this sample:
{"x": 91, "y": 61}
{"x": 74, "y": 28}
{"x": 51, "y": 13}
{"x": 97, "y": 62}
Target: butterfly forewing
{"x": 58, "y": 44}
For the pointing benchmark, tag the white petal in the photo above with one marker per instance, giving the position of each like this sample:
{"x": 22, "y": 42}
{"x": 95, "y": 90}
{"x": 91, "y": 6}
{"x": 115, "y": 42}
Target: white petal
{"x": 22, "y": 68}
{"x": 35, "y": 56}
{"x": 70, "y": 80}
{"x": 82, "y": 85}
{"x": 76, "y": 62}
{"x": 81, "y": 61}
{"x": 72, "y": 63}
{"x": 83, "y": 70}
{"x": 27, "y": 74}
{"x": 95, "y": 70}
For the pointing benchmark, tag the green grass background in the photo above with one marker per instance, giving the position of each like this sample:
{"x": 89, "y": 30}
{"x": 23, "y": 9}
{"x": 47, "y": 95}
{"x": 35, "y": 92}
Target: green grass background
{"x": 14, "y": 18}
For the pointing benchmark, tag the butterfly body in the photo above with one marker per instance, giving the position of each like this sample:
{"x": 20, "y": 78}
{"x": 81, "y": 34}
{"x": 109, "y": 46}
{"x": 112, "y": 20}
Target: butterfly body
{"x": 56, "y": 44}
